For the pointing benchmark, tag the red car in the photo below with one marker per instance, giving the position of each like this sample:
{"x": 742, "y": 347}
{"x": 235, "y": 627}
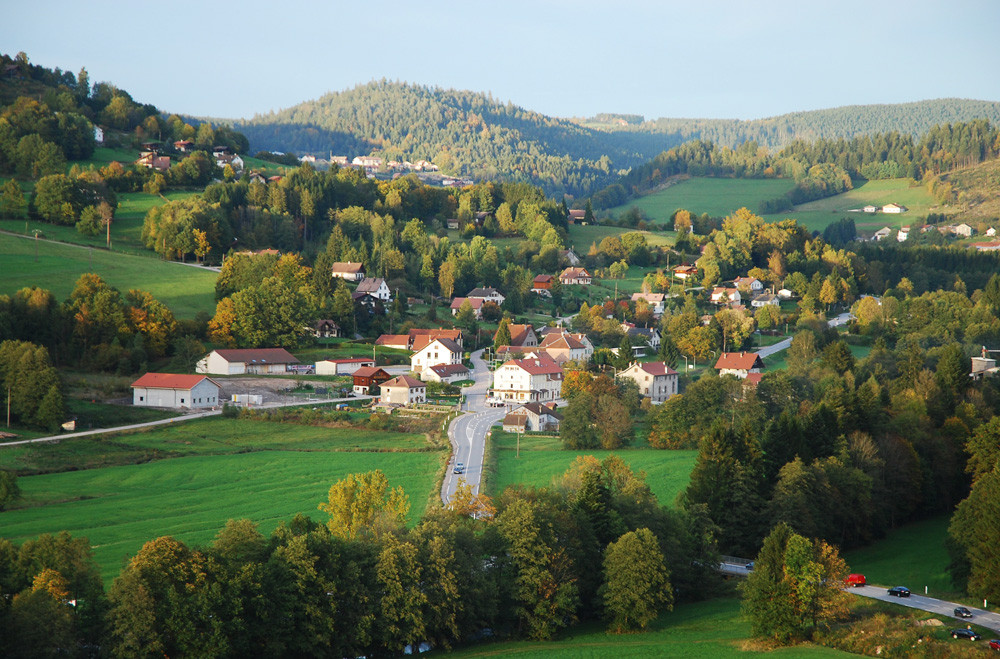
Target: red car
{"x": 995, "y": 644}
{"x": 855, "y": 580}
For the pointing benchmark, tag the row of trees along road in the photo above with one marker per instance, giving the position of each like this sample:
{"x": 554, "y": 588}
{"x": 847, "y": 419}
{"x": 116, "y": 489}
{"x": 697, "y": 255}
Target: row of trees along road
{"x": 596, "y": 545}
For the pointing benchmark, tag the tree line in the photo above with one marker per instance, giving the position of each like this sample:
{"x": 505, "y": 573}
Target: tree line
{"x": 595, "y": 546}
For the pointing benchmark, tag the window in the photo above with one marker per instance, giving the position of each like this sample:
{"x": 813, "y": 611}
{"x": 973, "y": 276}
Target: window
{"x": 142, "y": 398}
{"x": 182, "y": 400}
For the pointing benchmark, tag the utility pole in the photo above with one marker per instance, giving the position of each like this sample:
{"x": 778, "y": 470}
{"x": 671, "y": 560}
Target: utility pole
{"x": 8, "y": 406}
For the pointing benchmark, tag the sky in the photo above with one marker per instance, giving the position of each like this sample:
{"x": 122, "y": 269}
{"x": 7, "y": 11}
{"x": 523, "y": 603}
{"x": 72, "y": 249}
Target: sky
{"x": 567, "y": 58}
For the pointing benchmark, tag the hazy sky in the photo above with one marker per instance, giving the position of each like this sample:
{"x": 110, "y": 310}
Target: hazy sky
{"x": 700, "y": 58}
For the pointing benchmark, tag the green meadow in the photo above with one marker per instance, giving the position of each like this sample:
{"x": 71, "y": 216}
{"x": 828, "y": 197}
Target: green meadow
{"x": 582, "y": 237}
{"x": 186, "y": 290}
{"x": 716, "y": 196}
{"x": 713, "y": 628}
{"x": 187, "y": 480}
{"x": 543, "y": 460}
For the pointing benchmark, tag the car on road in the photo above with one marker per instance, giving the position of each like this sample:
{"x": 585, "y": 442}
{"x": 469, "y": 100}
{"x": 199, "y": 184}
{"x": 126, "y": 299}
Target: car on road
{"x": 965, "y": 633}
{"x": 856, "y": 580}
{"x": 459, "y": 468}
{"x": 899, "y": 591}
{"x": 749, "y": 566}
{"x": 995, "y": 643}
{"x": 962, "y": 612}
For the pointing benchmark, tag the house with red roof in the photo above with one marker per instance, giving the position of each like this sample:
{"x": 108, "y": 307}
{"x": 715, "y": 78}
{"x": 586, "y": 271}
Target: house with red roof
{"x": 571, "y": 276}
{"x": 656, "y": 380}
{"x": 174, "y": 390}
{"x": 367, "y": 377}
{"x": 475, "y": 302}
{"x": 530, "y": 379}
{"x": 438, "y": 351}
{"x": 740, "y": 364}
{"x": 244, "y": 361}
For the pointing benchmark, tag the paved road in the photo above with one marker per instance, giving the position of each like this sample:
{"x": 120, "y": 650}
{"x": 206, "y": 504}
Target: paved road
{"x": 940, "y": 607}
{"x": 783, "y": 345}
{"x": 174, "y": 419}
{"x": 468, "y": 431}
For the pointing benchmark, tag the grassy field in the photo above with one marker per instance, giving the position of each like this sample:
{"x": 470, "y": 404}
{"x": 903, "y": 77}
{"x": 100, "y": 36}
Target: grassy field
{"x": 713, "y": 628}
{"x": 816, "y": 215}
{"x": 913, "y": 556}
{"x": 543, "y": 459}
{"x": 581, "y": 237}
{"x": 186, "y": 290}
{"x": 716, "y": 196}
{"x": 201, "y": 474}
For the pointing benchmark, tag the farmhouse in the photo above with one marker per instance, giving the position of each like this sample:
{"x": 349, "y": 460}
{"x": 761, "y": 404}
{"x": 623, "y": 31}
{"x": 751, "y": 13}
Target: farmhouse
{"x": 751, "y": 284}
{"x": 474, "y": 302}
{"x": 656, "y": 380}
{"x": 869, "y": 209}
{"x": 903, "y": 234}
{"x": 403, "y": 390}
{"x": 541, "y": 283}
{"x": 367, "y": 377}
{"x": 376, "y": 287}
{"x": 438, "y": 351}
{"x": 988, "y": 246}
{"x": 447, "y": 373}
{"x": 739, "y": 364}
{"x": 685, "y": 271}
{"x": 342, "y": 366}
{"x": 399, "y": 341}
{"x": 765, "y": 300}
{"x": 419, "y": 338}
{"x": 325, "y": 329}
{"x": 963, "y": 230}
{"x": 171, "y": 390}
{"x": 564, "y": 346}
{"x": 348, "y": 271}
{"x": 724, "y": 296}
{"x": 569, "y": 257}
{"x": 530, "y": 379}
{"x": 486, "y": 295}
{"x": 572, "y": 276}
{"x": 894, "y": 208}
{"x": 522, "y": 336}
{"x": 238, "y": 361}
{"x": 532, "y": 417}
{"x": 882, "y": 234}
{"x": 576, "y": 216}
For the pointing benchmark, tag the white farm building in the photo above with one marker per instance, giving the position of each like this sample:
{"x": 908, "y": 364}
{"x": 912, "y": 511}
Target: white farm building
{"x": 173, "y": 390}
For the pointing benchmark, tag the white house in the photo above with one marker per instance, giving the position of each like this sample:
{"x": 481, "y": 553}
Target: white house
{"x": 348, "y": 271}
{"x": 893, "y": 208}
{"x": 532, "y": 417}
{"x": 882, "y": 234}
{"x": 447, "y": 373}
{"x": 571, "y": 276}
{"x": 991, "y": 232}
{"x": 656, "y": 301}
{"x": 656, "y": 380}
{"x": 903, "y": 234}
{"x": 786, "y": 293}
{"x": 532, "y": 379}
{"x": 724, "y": 296}
{"x": 172, "y": 390}
{"x": 376, "y": 287}
{"x": 765, "y": 300}
{"x": 438, "y": 351}
{"x": 342, "y": 366}
{"x": 751, "y": 284}
{"x": 403, "y": 390}
{"x": 486, "y": 295}
{"x": 254, "y": 361}
{"x": 98, "y": 135}
{"x": 740, "y": 364}
{"x": 964, "y": 230}
{"x": 564, "y": 346}
{"x": 869, "y": 209}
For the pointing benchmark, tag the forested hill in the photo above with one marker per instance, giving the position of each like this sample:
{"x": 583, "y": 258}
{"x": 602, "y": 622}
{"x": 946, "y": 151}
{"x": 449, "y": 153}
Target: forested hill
{"x": 465, "y": 133}
{"x": 776, "y": 132}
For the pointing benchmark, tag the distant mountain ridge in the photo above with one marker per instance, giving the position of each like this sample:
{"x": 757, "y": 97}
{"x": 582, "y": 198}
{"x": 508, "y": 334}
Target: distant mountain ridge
{"x": 472, "y": 134}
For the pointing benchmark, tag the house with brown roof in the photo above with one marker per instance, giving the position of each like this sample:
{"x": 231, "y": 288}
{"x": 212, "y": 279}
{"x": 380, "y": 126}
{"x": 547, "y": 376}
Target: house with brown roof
{"x": 542, "y": 284}
{"x": 530, "y": 379}
{"x": 656, "y": 380}
{"x": 569, "y": 257}
{"x": 575, "y": 276}
{"x": 726, "y": 296}
{"x": 522, "y": 336}
{"x": 367, "y": 377}
{"x": 751, "y": 284}
{"x": 151, "y": 160}
{"x": 452, "y": 223}
{"x": 173, "y": 390}
{"x": 241, "y": 361}
{"x": 184, "y": 146}
{"x": 474, "y": 302}
{"x": 399, "y": 341}
{"x": 376, "y": 287}
{"x": 403, "y": 390}
{"x": 684, "y": 272}
{"x": 532, "y": 417}
{"x": 325, "y": 329}
{"x": 765, "y": 300}
{"x": 576, "y": 216}
{"x": 348, "y": 271}
{"x": 656, "y": 301}
{"x": 438, "y": 351}
{"x": 739, "y": 364}
{"x": 447, "y": 373}
{"x": 564, "y": 346}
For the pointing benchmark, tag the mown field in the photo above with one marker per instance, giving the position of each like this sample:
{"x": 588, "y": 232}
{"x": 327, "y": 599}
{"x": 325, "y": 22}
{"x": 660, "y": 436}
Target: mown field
{"x": 542, "y": 460}
{"x": 712, "y": 628}
{"x": 186, "y": 290}
{"x": 716, "y": 196}
{"x": 816, "y": 215}
{"x": 187, "y": 480}
{"x": 582, "y": 237}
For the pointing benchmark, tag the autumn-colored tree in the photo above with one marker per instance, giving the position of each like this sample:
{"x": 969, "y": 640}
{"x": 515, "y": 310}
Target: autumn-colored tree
{"x": 362, "y": 505}
{"x": 468, "y": 504}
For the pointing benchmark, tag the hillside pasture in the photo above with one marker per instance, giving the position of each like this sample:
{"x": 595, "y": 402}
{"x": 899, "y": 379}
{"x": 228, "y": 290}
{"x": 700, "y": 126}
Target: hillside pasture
{"x": 716, "y": 196}
{"x": 816, "y": 215}
{"x": 185, "y": 289}
{"x": 187, "y": 480}
{"x": 582, "y": 237}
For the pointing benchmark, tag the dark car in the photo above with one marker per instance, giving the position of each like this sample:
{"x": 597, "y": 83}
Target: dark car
{"x": 965, "y": 633}
{"x": 899, "y": 591}
{"x": 962, "y": 612}
{"x": 459, "y": 468}
{"x": 749, "y": 566}
{"x": 995, "y": 643}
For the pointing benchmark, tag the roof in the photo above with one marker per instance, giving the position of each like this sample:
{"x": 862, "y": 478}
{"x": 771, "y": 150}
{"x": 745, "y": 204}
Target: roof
{"x": 657, "y": 368}
{"x": 484, "y": 292}
{"x": 574, "y": 273}
{"x": 541, "y": 279}
{"x": 540, "y": 366}
{"x": 538, "y": 409}
{"x": 739, "y": 361}
{"x": 450, "y": 345}
{"x": 421, "y": 338}
{"x": 404, "y": 381}
{"x": 685, "y": 268}
{"x": 368, "y": 371}
{"x": 515, "y": 420}
{"x": 562, "y": 340}
{"x": 257, "y": 355}
{"x": 370, "y": 285}
{"x": 753, "y": 378}
{"x": 170, "y": 381}
{"x": 745, "y": 281}
{"x": 475, "y": 302}
{"x": 444, "y": 370}
{"x": 400, "y": 340}
{"x": 519, "y": 334}
{"x": 351, "y": 360}
{"x": 342, "y": 266}
{"x": 649, "y": 297}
